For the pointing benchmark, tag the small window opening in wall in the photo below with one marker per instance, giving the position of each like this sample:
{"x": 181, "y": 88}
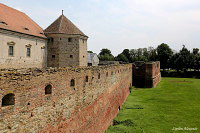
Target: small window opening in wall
{"x": 48, "y": 89}
{"x": 2, "y": 22}
{"x": 28, "y": 52}
{"x": 107, "y": 74}
{"x": 60, "y": 38}
{"x": 50, "y": 39}
{"x": 83, "y": 56}
{"x": 69, "y": 39}
{"x": 71, "y": 56}
{"x": 11, "y": 51}
{"x": 119, "y": 108}
{"x": 72, "y": 83}
{"x": 99, "y": 76}
{"x": 8, "y": 99}
{"x": 86, "y": 79}
{"x": 53, "y": 56}
{"x": 26, "y": 29}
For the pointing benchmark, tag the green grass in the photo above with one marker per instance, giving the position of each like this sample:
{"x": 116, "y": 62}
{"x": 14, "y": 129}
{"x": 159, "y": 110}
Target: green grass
{"x": 174, "y": 103}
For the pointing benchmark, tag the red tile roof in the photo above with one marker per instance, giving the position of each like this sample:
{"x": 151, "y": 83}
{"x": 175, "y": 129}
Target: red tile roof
{"x": 63, "y": 25}
{"x": 14, "y": 20}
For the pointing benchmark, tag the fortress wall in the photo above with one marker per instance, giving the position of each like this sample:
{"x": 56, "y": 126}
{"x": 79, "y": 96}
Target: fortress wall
{"x": 152, "y": 74}
{"x": 89, "y": 106}
{"x": 146, "y": 74}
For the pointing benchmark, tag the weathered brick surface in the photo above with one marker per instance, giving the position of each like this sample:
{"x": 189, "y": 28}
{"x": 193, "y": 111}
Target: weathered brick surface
{"x": 146, "y": 74}
{"x": 86, "y": 107}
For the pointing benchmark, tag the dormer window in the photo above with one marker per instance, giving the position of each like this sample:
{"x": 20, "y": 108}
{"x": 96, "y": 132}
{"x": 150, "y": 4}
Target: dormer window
{"x": 41, "y": 33}
{"x": 2, "y": 22}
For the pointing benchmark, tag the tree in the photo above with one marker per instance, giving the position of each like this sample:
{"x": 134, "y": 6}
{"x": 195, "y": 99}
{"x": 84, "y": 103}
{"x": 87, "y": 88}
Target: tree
{"x": 195, "y": 59}
{"x": 175, "y": 62}
{"x": 152, "y": 54}
{"x": 139, "y": 54}
{"x": 90, "y": 52}
{"x": 126, "y": 53}
{"x": 105, "y": 51}
{"x": 122, "y": 57}
{"x": 105, "y": 55}
{"x": 164, "y": 53}
{"x": 185, "y": 58}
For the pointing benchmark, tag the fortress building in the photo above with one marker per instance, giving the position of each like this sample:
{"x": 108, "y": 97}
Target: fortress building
{"x": 24, "y": 44}
{"x": 59, "y": 99}
{"x": 67, "y": 45}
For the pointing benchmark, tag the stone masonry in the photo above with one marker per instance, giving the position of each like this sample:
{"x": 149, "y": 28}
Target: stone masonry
{"x": 63, "y": 100}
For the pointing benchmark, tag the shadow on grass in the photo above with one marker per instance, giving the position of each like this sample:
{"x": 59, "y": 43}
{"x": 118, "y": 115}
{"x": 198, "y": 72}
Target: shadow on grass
{"x": 127, "y": 123}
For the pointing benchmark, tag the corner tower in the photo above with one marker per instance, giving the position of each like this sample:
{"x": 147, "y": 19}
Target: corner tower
{"x": 67, "y": 45}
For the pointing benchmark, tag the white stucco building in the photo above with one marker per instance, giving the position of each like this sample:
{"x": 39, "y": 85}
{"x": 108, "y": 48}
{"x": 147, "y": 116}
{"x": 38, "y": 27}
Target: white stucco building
{"x": 22, "y": 41}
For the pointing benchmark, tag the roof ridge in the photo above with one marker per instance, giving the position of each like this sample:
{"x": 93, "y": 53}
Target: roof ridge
{"x": 60, "y": 23}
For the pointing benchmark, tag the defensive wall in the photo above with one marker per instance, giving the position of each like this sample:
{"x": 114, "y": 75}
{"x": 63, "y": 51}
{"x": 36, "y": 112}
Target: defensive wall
{"x": 63, "y": 100}
{"x": 146, "y": 74}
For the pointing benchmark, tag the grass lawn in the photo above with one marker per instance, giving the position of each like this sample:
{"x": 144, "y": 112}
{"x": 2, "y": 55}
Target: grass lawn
{"x": 174, "y": 103}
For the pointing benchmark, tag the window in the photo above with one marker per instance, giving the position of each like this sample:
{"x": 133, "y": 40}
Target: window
{"x": 53, "y": 56}
{"x": 48, "y": 89}
{"x": 107, "y": 74}
{"x": 28, "y": 52}
{"x": 8, "y": 99}
{"x": 86, "y": 79}
{"x": 69, "y": 39}
{"x": 72, "y": 82}
{"x": 71, "y": 56}
{"x": 11, "y": 51}
{"x": 99, "y": 76}
{"x": 50, "y": 39}
{"x": 26, "y": 29}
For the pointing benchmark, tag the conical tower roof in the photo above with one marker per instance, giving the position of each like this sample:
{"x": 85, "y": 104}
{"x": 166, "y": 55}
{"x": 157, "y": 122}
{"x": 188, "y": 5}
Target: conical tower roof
{"x": 63, "y": 25}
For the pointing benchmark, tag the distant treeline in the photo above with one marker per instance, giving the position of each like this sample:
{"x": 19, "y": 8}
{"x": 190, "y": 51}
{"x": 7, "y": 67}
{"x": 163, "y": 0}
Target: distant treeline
{"x": 183, "y": 60}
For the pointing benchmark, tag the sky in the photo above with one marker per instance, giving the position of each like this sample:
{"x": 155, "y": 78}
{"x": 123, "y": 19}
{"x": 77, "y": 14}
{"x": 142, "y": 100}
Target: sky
{"x": 121, "y": 24}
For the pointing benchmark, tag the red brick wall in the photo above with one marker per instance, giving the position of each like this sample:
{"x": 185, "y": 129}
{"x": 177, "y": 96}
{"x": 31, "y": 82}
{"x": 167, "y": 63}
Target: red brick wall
{"x": 146, "y": 74}
{"x": 96, "y": 117}
{"x": 86, "y": 107}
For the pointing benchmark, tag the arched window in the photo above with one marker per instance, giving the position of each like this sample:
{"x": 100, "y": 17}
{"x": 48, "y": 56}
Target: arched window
{"x": 8, "y": 99}
{"x": 48, "y": 89}
{"x": 72, "y": 82}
